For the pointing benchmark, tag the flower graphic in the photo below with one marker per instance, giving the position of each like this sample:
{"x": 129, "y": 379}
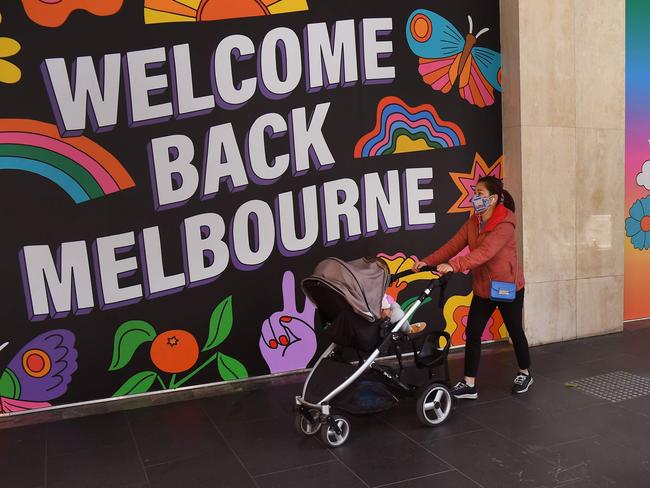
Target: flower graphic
{"x": 9, "y": 72}
{"x": 456, "y": 313}
{"x": 637, "y": 225}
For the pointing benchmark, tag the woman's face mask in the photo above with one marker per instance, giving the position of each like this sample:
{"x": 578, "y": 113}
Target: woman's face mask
{"x": 481, "y": 203}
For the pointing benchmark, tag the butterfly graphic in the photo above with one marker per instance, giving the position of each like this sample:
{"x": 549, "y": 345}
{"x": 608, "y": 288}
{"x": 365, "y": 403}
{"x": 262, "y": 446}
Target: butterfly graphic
{"x": 39, "y": 372}
{"x": 446, "y": 57}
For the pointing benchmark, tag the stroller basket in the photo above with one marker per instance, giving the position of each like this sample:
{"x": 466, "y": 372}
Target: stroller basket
{"x": 370, "y": 394}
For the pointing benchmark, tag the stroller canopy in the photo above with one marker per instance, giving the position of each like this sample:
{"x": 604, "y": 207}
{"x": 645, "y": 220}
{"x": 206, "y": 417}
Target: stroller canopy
{"x": 361, "y": 282}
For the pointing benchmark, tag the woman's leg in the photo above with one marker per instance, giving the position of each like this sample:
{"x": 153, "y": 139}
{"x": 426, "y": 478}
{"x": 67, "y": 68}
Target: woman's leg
{"x": 479, "y": 312}
{"x": 512, "y": 317}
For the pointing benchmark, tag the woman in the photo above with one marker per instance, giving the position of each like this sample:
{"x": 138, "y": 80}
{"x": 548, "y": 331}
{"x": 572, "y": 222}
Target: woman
{"x": 490, "y": 234}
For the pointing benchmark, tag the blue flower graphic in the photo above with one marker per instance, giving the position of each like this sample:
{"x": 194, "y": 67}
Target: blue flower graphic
{"x": 637, "y": 225}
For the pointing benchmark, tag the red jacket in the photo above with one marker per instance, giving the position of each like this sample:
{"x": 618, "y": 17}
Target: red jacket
{"x": 493, "y": 251}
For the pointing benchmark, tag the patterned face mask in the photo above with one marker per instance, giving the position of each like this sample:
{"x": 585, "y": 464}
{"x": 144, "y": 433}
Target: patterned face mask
{"x": 481, "y": 203}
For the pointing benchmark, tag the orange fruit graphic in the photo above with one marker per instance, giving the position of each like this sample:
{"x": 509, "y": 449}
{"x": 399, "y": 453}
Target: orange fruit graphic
{"x": 174, "y": 351}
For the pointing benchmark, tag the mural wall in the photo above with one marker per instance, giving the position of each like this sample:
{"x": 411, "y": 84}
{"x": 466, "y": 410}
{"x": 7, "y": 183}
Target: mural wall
{"x": 171, "y": 169}
{"x": 637, "y": 160}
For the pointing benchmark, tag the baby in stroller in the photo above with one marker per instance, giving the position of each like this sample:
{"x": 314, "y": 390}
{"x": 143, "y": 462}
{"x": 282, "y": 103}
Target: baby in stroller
{"x": 392, "y": 311}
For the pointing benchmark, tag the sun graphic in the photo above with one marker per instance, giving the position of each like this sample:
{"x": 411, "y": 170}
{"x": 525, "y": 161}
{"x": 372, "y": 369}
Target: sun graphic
{"x": 161, "y": 11}
{"x": 9, "y": 72}
{"x": 466, "y": 182}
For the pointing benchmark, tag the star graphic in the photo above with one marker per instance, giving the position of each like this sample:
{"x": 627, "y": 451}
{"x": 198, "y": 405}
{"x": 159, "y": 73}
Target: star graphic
{"x": 466, "y": 182}
{"x": 172, "y": 341}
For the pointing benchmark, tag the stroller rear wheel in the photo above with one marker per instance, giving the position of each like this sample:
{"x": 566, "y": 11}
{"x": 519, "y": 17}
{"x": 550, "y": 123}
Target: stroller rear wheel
{"x": 335, "y": 431}
{"x": 434, "y": 405}
{"x": 305, "y": 425}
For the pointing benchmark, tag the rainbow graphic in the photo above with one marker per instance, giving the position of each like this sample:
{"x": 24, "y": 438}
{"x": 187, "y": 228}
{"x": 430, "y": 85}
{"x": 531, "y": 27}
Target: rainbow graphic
{"x": 79, "y": 166}
{"x": 400, "y": 128}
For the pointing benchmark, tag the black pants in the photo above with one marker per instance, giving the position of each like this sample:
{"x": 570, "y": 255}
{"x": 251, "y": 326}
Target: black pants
{"x": 480, "y": 311}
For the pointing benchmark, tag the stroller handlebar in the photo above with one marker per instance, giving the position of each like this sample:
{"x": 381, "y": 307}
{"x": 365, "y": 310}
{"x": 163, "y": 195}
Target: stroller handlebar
{"x": 403, "y": 274}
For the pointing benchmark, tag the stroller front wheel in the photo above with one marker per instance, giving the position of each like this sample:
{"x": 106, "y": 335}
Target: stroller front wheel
{"x": 305, "y": 425}
{"x": 335, "y": 431}
{"x": 434, "y": 405}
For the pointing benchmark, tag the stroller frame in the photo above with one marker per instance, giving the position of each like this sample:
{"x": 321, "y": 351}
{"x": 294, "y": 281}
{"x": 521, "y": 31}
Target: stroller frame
{"x": 310, "y": 416}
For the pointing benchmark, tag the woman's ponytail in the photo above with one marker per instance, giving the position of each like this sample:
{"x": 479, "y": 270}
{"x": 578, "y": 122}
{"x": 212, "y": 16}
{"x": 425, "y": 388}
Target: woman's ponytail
{"x": 508, "y": 201}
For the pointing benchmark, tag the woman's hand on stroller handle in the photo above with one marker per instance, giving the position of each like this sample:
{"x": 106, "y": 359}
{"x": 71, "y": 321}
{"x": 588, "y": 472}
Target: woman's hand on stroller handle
{"x": 418, "y": 267}
{"x": 440, "y": 269}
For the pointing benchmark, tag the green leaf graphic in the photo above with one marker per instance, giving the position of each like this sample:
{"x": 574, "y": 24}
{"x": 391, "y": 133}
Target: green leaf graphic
{"x": 129, "y": 336}
{"x": 138, "y": 383}
{"x": 408, "y": 303}
{"x": 9, "y": 385}
{"x": 230, "y": 368}
{"x": 220, "y": 324}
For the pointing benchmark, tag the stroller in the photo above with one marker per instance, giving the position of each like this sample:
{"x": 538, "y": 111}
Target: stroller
{"x": 348, "y": 297}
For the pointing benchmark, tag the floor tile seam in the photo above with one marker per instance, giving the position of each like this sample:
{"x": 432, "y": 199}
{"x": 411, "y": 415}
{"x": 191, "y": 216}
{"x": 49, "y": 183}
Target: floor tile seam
{"x": 230, "y": 448}
{"x": 609, "y": 440}
{"x": 46, "y": 457}
{"x": 176, "y": 459}
{"x": 423, "y": 446}
{"x": 387, "y": 485}
{"x": 555, "y": 380}
{"x": 137, "y": 449}
{"x": 573, "y": 441}
{"x": 475, "y": 406}
{"x": 242, "y": 422}
{"x": 295, "y": 468}
{"x": 570, "y": 409}
{"x": 122, "y": 444}
{"x": 342, "y": 463}
{"x": 630, "y": 356}
{"x": 446, "y": 437}
{"x": 521, "y": 446}
{"x": 488, "y": 402}
{"x": 629, "y": 410}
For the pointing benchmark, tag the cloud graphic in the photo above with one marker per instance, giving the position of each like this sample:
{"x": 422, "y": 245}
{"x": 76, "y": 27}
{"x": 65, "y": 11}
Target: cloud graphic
{"x": 643, "y": 178}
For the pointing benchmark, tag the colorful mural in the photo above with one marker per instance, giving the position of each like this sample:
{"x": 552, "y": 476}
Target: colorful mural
{"x": 466, "y": 182}
{"x": 637, "y": 225}
{"x": 446, "y": 56}
{"x": 162, "y": 11}
{"x": 39, "y": 372}
{"x": 9, "y": 72}
{"x": 54, "y": 13}
{"x": 456, "y": 311}
{"x": 456, "y": 307}
{"x": 400, "y": 128}
{"x": 637, "y": 155}
{"x": 80, "y": 167}
{"x": 229, "y": 170}
{"x": 288, "y": 337}
{"x": 174, "y": 352}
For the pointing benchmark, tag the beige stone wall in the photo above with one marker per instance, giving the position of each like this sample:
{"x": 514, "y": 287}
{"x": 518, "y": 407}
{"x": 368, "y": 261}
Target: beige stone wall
{"x": 563, "y": 130}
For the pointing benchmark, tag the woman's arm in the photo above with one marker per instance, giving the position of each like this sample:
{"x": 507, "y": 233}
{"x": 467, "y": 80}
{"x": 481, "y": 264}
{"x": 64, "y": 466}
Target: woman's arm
{"x": 455, "y": 245}
{"x": 491, "y": 245}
